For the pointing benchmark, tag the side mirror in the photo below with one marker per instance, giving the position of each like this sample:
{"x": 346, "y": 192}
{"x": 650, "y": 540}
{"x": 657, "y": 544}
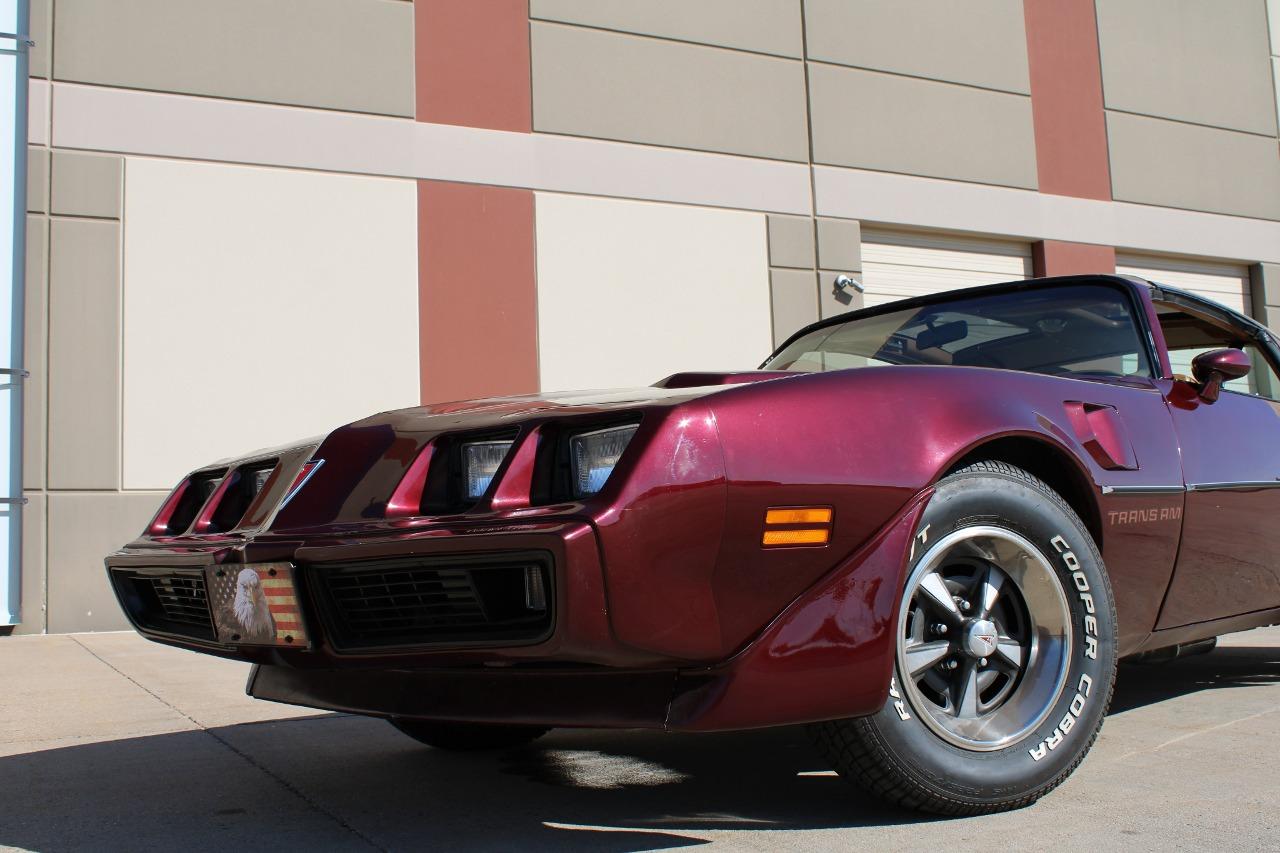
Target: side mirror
{"x": 1215, "y": 367}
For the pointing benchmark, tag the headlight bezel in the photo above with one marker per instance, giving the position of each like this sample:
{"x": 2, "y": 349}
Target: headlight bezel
{"x": 495, "y": 461}
{"x": 578, "y": 446}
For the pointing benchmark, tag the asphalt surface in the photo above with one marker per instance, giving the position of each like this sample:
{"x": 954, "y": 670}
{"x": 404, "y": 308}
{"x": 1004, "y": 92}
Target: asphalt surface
{"x": 111, "y": 743}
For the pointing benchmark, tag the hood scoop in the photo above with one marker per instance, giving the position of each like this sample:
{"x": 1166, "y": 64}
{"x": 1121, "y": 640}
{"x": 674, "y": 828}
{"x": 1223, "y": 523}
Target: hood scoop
{"x": 702, "y": 380}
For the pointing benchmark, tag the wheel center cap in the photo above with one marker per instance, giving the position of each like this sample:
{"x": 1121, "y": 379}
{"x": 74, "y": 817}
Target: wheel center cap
{"x": 980, "y": 638}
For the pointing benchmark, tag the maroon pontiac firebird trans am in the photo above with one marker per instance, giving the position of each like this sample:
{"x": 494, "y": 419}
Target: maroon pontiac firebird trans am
{"x": 927, "y": 529}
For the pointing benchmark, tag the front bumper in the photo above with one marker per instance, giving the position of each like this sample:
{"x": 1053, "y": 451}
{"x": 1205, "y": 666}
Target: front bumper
{"x": 827, "y": 655}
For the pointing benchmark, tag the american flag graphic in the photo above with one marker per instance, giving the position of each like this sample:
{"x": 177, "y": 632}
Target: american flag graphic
{"x": 256, "y": 605}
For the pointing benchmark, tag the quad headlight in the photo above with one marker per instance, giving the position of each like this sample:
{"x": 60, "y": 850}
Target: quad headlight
{"x": 593, "y": 456}
{"x": 480, "y": 463}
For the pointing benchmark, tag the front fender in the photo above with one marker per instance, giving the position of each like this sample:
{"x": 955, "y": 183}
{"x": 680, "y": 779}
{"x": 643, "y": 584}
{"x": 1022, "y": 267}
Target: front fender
{"x": 827, "y": 656}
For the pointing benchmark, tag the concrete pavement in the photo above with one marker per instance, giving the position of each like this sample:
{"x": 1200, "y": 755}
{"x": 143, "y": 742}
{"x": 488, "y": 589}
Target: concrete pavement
{"x": 108, "y": 742}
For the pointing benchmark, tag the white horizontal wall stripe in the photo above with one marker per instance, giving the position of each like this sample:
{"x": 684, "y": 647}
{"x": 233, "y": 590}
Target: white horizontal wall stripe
{"x": 133, "y": 122}
{"x": 931, "y": 203}
{"x": 188, "y": 127}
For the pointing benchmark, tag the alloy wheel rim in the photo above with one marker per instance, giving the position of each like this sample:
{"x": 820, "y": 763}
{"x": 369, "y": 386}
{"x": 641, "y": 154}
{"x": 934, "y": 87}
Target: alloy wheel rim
{"x": 984, "y": 638}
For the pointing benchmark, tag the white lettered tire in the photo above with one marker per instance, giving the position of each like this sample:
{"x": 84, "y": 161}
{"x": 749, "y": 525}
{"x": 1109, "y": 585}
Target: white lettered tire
{"x": 1006, "y": 653}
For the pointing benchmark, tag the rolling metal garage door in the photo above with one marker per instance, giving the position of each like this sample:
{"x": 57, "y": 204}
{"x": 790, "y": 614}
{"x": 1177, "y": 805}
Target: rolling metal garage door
{"x": 1224, "y": 283}
{"x": 898, "y": 264}
{"x": 1227, "y": 284}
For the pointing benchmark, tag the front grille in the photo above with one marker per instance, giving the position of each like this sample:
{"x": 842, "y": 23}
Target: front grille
{"x": 182, "y": 599}
{"x": 170, "y": 601}
{"x": 418, "y": 601}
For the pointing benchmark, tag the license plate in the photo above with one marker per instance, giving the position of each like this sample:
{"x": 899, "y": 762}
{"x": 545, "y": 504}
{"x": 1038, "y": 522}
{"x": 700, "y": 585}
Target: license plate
{"x": 256, "y": 605}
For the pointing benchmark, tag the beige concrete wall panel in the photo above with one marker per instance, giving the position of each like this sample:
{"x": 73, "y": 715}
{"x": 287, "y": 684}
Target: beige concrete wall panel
{"x": 1189, "y": 60}
{"x": 339, "y": 54}
{"x": 313, "y": 318}
{"x": 38, "y": 94}
{"x": 791, "y": 241}
{"x": 40, "y": 34}
{"x": 86, "y": 184}
{"x": 840, "y": 244}
{"x": 763, "y": 26}
{"x": 1264, "y": 282}
{"x": 1275, "y": 74}
{"x": 35, "y": 349}
{"x": 794, "y": 294}
{"x": 979, "y": 42}
{"x": 34, "y": 556}
{"x": 1181, "y": 165}
{"x": 84, "y": 354}
{"x": 83, "y": 529}
{"x": 833, "y": 300}
{"x": 648, "y": 290}
{"x": 612, "y": 86}
{"x": 956, "y": 206}
{"x": 899, "y": 124}
{"x": 38, "y": 180}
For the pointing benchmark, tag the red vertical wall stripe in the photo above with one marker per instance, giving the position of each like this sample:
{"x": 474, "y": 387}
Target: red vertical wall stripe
{"x": 1069, "y": 120}
{"x": 477, "y": 280}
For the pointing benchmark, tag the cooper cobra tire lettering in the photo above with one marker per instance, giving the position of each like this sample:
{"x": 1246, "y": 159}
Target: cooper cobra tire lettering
{"x": 1068, "y": 721}
{"x": 897, "y": 753}
{"x": 1086, "y": 596}
{"x": 898, "y": 704}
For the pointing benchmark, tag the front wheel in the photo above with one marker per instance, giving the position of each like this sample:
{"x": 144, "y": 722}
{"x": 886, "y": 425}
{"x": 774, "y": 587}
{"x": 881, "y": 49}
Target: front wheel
{"x": 1005, "y": 653}
{"x": 467, "y": 737}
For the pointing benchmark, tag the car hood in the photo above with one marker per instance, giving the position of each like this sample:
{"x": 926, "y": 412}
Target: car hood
{"x": 365, "y": 460}
{"x": 674, "y": 389}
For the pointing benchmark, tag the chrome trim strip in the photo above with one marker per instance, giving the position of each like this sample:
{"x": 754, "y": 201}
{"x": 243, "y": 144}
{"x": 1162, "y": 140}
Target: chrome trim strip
{"x": 1143, "y": 490}
{"x": 1241, "y": 485}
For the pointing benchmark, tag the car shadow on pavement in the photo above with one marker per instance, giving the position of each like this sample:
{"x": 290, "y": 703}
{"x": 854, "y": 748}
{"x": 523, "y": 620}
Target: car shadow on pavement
{"x": 1138, "y": 685}
{"x": 340, "y": 782}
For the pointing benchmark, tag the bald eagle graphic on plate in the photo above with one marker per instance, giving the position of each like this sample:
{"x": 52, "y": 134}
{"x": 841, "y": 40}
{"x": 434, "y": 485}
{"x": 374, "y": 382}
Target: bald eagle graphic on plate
{"x": 241, "y": 608}
{"x": 251, "y": 610}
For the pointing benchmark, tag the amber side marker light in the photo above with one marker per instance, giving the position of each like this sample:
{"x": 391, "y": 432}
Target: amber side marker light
{"x": 789, "y": 526}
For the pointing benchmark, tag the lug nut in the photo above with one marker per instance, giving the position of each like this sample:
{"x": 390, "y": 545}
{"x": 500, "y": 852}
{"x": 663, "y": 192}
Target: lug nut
{"x": 982, "y": 662}
{"x": 951, "y": 664}
{"x": 961, "y": 603}
{"x": 939, "y": 628}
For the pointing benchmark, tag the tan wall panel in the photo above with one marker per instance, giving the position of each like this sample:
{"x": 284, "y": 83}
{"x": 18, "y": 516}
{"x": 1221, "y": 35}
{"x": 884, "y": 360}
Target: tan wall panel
{"x": 84, "y": 354}
{"x": 86, "y": 184}
{"x": 765, "y": 26}
{"x": 791, "y": 242}
{"x": 33, "y": 566}
{"x": 40, "y": 34}
{"x": 35, "y": 351}
{"x": 1196, "y": 61}
{"x": 978, "y": 42}
{"x": 38, "y": 180}
{"x": 899, "y": 124}
{"x": 341, "y": 54}
{"x": 611, "y": 86}
{"x": 83, "y": 529}
{"x": 630, "y": 292}
{"x": 1181, "y": 165}
{"x": 794, "y": 295}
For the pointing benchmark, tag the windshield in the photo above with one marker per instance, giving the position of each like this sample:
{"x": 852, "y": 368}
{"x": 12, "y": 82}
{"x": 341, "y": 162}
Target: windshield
{"x": 1069, "y": 330}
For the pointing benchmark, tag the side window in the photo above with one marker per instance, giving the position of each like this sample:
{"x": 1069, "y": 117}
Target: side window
{"x": 1261, "y": 381}
{"x": 1188, "y": 335}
